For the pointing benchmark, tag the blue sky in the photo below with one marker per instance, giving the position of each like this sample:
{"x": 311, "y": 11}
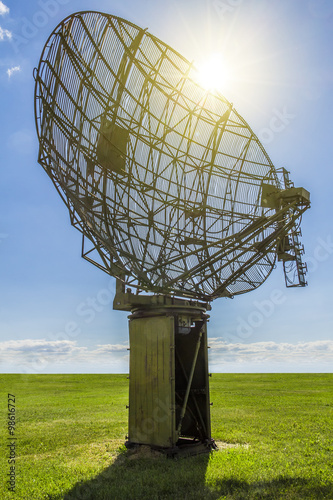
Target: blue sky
{"x": 55, "y": 308}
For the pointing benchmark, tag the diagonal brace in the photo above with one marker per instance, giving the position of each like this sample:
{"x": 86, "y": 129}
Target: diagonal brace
{"x": 182, "y": 413}
{"x": 193, "y": 397}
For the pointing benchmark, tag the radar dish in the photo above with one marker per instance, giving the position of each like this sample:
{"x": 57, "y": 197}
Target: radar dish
{"x": 171, "y": 189}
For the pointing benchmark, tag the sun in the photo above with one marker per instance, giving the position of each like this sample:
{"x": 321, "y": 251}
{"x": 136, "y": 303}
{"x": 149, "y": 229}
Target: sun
{"x": 213, "y": 73}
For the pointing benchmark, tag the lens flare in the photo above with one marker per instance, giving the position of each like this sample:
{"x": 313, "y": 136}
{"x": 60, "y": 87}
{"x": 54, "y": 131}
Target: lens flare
{"x": 213, "y": 73}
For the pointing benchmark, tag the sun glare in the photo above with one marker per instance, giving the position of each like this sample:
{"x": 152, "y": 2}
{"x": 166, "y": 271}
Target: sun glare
{"x": 212, "y": 73}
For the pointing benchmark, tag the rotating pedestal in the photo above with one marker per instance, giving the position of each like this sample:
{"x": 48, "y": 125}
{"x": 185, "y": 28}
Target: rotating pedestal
{"x": 169, "y": 405}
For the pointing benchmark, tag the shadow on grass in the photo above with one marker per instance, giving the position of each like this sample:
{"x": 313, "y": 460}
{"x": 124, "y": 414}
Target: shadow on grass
{"x": 133, "y": 477}
{"x": 146, "y": 475}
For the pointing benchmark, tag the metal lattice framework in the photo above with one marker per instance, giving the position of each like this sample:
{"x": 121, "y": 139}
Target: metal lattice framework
{"x": 163, "y": 178}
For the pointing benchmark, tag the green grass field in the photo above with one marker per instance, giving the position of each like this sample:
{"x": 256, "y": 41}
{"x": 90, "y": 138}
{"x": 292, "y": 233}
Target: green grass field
{"x": 276, "y": 434}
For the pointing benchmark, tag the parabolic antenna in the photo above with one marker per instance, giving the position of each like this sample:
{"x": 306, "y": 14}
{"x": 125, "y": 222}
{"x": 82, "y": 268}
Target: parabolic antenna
{"x": 173, "y": 192}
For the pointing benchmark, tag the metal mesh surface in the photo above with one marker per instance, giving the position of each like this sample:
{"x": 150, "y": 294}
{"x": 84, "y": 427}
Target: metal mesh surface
{"x": 163, "y": 177}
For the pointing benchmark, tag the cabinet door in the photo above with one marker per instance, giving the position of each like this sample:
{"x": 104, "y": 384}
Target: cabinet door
{"x": 152, "y": 381}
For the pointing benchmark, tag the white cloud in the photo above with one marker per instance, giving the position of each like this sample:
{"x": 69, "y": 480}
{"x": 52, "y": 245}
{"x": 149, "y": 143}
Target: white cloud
{"x": 37, "y": 354}
{"x": 111, "y": 348}
{"x": 5, "y": 35}
{"x": 3, "y": 9}
{"x": 36, "y": 346}
{"x": 303, "y": 352}
{"x": 12, "y": 70}
{"x": 45, "y": 356}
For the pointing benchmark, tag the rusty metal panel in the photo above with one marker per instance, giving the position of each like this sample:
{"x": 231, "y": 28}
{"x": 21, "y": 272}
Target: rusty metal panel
{"x": 152, "y": 375}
